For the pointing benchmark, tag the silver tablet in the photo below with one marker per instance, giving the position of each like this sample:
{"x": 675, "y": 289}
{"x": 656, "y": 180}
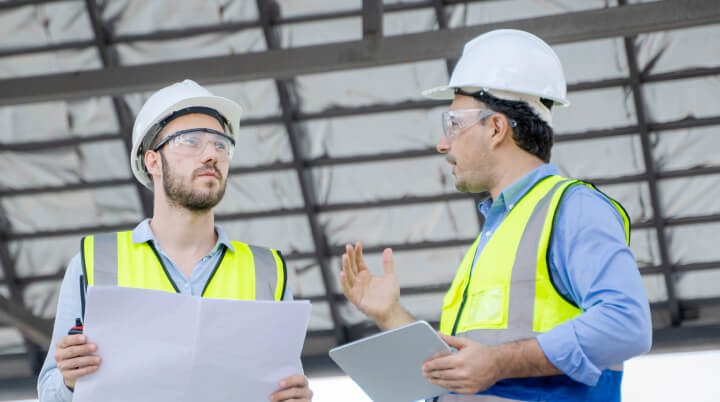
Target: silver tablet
{"x": 388, "y": 365}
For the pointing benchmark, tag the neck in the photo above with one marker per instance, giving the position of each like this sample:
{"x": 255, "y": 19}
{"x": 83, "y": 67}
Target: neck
{"x": 177, "y": 228}
{"x": 513, "y": 171}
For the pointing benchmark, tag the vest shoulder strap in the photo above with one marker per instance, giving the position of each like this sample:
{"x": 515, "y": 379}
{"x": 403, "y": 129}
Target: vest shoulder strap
{"x": 250, "y": 272}
{"x": 99, "y": 256}
{"x": 270, "y": 268}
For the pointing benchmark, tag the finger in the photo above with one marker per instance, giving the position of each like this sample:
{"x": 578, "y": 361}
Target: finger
{"x": 70, "y": 340}
{"x": 437, "y": 355}
{"x": 353, "y": 270}
{"x": 75, "y": 351}
{"x": 359, "y": 259}
{"x": 454, "y": 341}
{"x": 344, "y": 284}
{"x": 441, "y": 363}
{"x": 79, "y": 362}
{"x": 296, "y": 380}
{"x": 449, "y": 374}
{"x": 453, "y": 385}
{"x": 348, "y": 269}
{"x": 292, "y": 394}
{"x": 388, "y": 261}
{"x": 80, "y": 372}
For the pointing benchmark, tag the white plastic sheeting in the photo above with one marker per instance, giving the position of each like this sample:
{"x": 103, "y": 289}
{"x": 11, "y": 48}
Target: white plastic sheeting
{"x": 371, "y": 85}
{"x": 44, "y": 24}
{"x": 374, "y": 133}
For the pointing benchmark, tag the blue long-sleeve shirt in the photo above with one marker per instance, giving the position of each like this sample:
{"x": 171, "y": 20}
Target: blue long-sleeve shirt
{"x": 591, "y": 264}
{"x": 51, "y": 386}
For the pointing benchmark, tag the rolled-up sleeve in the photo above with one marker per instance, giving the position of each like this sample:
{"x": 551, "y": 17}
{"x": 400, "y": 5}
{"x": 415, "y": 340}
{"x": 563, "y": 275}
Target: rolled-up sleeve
{"x": 592, "y": 265}
{"x": 51, "y": 386}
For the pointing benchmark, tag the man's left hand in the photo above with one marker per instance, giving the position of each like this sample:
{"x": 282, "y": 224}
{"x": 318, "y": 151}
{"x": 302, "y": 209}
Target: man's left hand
{"x": 472, "y": 369}
{"x": 293, "y": 389}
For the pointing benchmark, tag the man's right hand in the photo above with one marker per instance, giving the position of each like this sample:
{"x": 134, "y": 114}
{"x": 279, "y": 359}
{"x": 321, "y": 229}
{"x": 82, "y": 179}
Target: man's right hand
{"x": 376, "y": 296}
{"x": 74, "y": 358}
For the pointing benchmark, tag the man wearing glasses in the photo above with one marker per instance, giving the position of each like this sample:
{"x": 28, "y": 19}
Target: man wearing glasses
{"x": 183, "y": 141}
{"x": 548, "y": 301}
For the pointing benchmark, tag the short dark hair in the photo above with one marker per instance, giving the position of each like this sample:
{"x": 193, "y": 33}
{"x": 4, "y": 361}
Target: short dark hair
{"x": 531, "y": 133}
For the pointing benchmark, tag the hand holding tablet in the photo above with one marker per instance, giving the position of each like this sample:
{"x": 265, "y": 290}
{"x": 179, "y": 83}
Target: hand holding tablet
{"x": 388, "y": 365}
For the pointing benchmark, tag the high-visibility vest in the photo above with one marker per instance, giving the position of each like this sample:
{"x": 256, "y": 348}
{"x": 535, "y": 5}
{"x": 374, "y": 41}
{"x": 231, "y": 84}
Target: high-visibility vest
{"x": 248, "y": 273}
{"x": 509, "y": 295}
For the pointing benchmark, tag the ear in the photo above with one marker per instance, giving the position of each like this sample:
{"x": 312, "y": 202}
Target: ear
{"x": 501, "y": 130}
{"x": 153, "y": 164}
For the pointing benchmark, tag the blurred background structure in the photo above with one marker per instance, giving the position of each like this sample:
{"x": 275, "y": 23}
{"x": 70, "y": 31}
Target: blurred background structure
{"x": 338, "y": 144}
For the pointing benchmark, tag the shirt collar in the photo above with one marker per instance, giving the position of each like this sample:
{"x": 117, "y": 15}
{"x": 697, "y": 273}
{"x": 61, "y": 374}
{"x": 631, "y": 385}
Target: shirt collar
{"x": 513, "y": 193}
{"x": 143, "y": 233}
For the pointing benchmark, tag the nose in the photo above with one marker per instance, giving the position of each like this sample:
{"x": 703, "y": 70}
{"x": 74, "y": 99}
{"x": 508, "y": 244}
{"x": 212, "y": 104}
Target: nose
{"x": 209, "y": 153}
{"x": 443, "y": 146}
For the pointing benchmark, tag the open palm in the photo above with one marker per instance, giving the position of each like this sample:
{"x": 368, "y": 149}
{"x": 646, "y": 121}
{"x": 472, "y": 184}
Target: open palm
{"x": 373, "y": 295}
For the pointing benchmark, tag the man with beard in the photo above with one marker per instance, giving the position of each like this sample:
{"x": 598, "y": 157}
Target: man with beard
{"x": 548, "y": 301}
{"x": 183, "y": 141}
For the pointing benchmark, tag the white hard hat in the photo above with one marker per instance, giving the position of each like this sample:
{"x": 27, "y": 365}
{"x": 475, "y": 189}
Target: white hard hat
{"x": 167, "y": 101}
{"x": 508, "y": 64}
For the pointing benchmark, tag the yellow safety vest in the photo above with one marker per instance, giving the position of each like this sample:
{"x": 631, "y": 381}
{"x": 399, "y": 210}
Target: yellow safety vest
{"x": 248, "y": 273}
{"x": 509, "y": 295}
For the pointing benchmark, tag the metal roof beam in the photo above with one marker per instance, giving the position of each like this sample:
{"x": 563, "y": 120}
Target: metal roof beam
{"x": 123, "y": 114}
{"x": 423, "y": 104}
{"x": 185, "y": 32}
{"x": 357, "y": 159}
{"x": 411, "y": 290}
{"x": 651, "y": 173}
{"x": 10, "y": 4}
{"x": 372, "y": 19}
{"x": 269, "y": 10}
{"x": 36, "y": 329}
{"x": 286, "y": 63}
{"x": 13, "y": 307}
{"x": 390, "y": 202}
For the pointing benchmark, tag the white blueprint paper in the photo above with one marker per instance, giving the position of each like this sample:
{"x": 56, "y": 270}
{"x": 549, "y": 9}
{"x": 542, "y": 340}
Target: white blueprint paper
{"x": 159, "y": 346}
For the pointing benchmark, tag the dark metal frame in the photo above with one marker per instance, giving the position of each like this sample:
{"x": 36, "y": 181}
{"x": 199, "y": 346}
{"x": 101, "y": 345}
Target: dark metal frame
{"x": 35, "y": 330}
{"x": 287, "y": 63}
{"x": 289, "y": 102}
{"x": 124, "y": 116}
{"x": 651, "y": 174}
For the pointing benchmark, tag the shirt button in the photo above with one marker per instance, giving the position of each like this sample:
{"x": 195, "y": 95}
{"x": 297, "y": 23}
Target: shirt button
{"x": 488, "y": 233}
{"x": 511, "y": 206}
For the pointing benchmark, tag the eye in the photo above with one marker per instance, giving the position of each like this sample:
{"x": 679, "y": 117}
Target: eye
{"x": 191, "y": 139}
{"x": 221, "y": 145}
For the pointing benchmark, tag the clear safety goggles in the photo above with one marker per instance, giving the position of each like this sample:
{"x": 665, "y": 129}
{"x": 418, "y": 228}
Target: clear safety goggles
{"x": 193, "y": 141}
{"x": 456, "y": 121}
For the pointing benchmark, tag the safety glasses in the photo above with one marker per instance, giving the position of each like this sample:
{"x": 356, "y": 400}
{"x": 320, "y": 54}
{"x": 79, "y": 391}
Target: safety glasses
{"x": 456, "y": 121}
{"x": 193, "y": 141}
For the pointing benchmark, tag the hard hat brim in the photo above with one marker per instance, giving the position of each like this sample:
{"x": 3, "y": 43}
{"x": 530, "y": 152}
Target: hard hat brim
{"x": 439, "y": 93}
{"x": 448, "y": 93}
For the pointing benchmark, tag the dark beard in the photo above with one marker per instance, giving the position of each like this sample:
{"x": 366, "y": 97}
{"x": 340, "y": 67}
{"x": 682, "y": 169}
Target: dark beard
{"x": 187, "y": 198}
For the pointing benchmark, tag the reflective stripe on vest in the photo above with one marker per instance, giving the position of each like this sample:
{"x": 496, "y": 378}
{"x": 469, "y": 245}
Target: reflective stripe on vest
{"x": 509, "y": 295}
{"x": 248, "y": 273}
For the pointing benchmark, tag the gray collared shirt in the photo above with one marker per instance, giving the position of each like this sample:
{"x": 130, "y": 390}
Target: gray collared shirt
{"x": 51, "y": 386}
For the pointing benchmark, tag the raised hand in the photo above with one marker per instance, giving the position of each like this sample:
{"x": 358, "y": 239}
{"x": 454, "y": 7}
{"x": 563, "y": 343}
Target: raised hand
{"x": 376, "y": 296}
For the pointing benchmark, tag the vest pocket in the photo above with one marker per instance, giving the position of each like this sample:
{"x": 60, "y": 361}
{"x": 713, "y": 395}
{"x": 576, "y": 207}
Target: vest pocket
{"x": 485, "y": 309}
